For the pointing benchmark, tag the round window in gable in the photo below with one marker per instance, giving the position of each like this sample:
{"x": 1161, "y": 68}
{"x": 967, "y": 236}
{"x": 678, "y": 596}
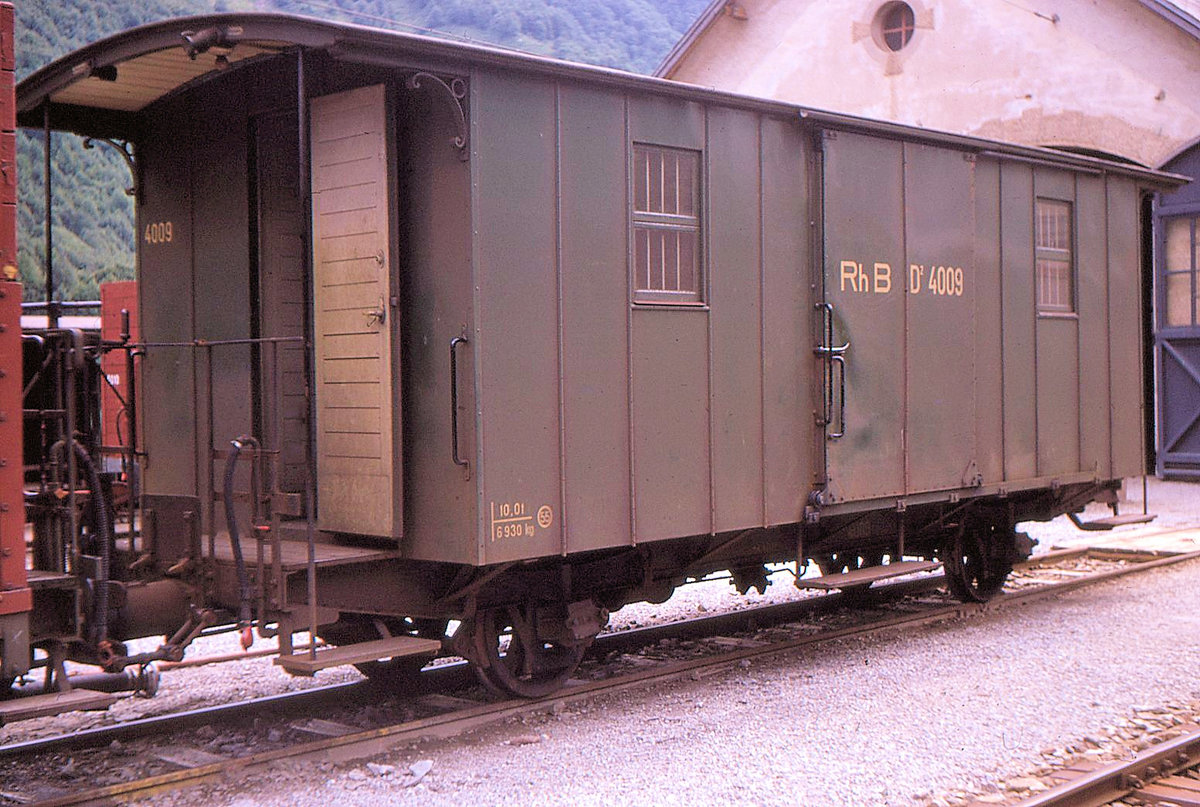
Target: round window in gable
{"x": 894, "y": 26}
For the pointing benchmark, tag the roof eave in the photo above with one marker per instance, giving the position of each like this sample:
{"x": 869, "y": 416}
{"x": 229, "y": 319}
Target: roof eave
{"x": 84, "y": 121}
{"x": 689, "y": 38}
{"x": 1179, "y": 18}
{"x": 33, "y": 91}
{"x": 367, "y": 45}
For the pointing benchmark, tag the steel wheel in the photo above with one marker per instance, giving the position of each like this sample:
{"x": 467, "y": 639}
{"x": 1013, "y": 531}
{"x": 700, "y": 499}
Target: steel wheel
{"x": 515, "y": 660}
{"x": 977, "y": 560}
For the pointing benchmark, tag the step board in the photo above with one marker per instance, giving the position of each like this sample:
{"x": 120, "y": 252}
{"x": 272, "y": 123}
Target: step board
{"x": 53, "y": 703}
{"x": 39, "y": 580}
{"x": 1105, "y": 524}
{"x": 864, "y": 577}
{"x": 308, "y": 663}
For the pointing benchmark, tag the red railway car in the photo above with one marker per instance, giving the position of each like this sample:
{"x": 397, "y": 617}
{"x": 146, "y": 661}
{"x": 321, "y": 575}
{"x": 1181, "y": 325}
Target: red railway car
{"x": 16, "y": 600}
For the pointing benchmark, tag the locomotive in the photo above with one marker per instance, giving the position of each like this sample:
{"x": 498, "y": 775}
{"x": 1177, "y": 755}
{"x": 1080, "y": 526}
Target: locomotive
{"x": 446, "y": 349}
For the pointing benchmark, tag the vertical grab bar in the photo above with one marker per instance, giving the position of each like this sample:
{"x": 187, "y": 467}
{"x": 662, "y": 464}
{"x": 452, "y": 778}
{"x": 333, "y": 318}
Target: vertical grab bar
{"x": 840, "y": 362}
{"x": 833, "y": 355}
{"x": 454, "y": 343}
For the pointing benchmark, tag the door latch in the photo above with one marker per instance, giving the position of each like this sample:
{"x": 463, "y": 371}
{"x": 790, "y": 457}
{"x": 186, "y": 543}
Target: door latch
{"x": 376, "y": 316}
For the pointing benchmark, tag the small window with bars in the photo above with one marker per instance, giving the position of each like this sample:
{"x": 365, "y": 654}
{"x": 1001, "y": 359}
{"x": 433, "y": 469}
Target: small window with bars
{"x": 1055, "y": 269}
{"x": 666, "y": 225}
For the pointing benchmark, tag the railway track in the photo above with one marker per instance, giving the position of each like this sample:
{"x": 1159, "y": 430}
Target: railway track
{"x": 1166, "y": 773}
{"x": 707, "y": 641}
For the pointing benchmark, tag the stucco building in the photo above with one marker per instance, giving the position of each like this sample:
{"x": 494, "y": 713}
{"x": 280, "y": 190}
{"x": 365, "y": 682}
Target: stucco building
{"x": 1114, "y": 78}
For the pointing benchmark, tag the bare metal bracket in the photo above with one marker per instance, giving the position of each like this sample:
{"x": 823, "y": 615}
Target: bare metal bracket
{"x": 125, "y": 149}
{"x": 454, "y": 93}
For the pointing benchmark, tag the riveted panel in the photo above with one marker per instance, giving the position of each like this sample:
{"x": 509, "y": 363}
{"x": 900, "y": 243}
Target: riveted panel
{"x": 864, "y": 283}
{"x": 787, "y": 322}
{"x": 940, "y": 279}
{"x": 989, "y": 380}
{"x": 735, "y": 283}
{"x": 517, "y": 273}
{"x": 666, "y": 121}
{"x": 595, "y": 306}
{"x": 1058, "y": 395}
{"x": 1092, "y": 297}
{"x": 1017, "y": 300}
{"x": 220, "y": 250}
{"x": 166, "y": 289}
{"x": 670, "y": 422}
{"x": 437, "y": 296}
{"x": 1125, "y": 316}
{"x": 1058, "y": 347}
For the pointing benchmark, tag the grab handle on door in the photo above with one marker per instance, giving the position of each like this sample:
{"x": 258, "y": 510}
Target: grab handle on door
{"x": 833, "y": 355}
{"x": 454, "y": 343}
{"x": 826, "y": 348}
{"x": 840, "y": 362}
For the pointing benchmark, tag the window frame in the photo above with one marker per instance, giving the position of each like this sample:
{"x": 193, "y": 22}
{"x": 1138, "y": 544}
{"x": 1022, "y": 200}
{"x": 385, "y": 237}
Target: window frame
{"x": 896, "y": 20}
{"x": 1191, "y": 272}
{"x": 1042, "y": 252}
{"x": 650, "y": 221}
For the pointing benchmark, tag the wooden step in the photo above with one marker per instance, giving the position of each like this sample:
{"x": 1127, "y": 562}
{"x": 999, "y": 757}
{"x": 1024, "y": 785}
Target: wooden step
{"x": 39, "y": 579}
{"x": 308, "y": 663}
{"x": 53, "y": 703}
{"x": 864, "y": 577}
{"x": 1104, "y": 524}
{"x": 294, "y": 554}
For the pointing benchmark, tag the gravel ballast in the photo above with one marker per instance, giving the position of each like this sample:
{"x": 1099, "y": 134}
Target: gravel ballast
{"x": 898, "y": 719}
{"x": 921, "y": 717}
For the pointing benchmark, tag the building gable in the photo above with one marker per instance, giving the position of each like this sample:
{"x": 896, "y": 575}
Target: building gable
{"x": 1119, "y": 77}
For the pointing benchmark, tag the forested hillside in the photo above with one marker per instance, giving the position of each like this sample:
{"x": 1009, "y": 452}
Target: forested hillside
{"x": 93, "y": 218}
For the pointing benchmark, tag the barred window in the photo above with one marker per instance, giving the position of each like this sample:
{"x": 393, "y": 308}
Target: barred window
{"x": 666, "y": 225}
{"x": 1055, "y": 273}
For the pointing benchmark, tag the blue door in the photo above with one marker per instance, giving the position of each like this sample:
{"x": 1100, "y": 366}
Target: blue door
{"x": 1177, "y": 331}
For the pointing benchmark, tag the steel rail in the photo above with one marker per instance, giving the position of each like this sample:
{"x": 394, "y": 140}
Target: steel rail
{"x": 375, "y": 741}
{"x": 444, "y": 676}
{"x": 1124, "y": 778}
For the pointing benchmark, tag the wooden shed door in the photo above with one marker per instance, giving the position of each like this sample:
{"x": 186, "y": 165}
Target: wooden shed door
{"x": 355, "y": 328}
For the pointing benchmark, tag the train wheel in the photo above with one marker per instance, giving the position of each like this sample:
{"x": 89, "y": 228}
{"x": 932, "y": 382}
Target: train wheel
{"x": 977, "y": 560}
{"x": 516, "y": 661}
